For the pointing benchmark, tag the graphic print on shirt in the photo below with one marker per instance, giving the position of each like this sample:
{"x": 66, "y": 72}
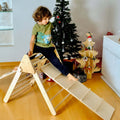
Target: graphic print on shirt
{"x": 42, "y": 38}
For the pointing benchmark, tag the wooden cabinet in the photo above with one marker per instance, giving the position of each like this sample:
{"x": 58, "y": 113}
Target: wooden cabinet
{"x": 111, "y": 62}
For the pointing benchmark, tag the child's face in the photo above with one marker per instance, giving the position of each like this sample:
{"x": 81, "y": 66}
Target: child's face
{"x": 45, "y": 20}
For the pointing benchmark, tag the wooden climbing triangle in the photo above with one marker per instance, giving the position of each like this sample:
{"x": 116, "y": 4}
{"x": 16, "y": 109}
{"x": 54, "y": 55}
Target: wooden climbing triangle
{"x": 34, "y": 66}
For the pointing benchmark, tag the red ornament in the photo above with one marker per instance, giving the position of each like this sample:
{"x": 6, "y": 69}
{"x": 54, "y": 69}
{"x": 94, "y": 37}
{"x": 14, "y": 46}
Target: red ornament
{"x": 59, "y": 21}
{"x": 58, "y": 17}
{"x": 89, "y": 37}
{"x": 109, "y": 33}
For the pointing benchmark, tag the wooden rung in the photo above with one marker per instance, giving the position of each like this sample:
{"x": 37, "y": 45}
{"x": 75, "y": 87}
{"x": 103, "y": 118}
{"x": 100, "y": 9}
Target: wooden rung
{"x": 77, "y": 90}
{"x": 21, "y": 84}
{"x": 38, "y": 55}
{"x": 33, "y": 54}
{"x": 24, "y": 87}
{"x": 43, "y": 67}
{"x": 85, "y": 94}
{"x": 105, "y": 111}
{"x": 39, "y": 63}
{"x": 62, "y": 100}
{"x": 20, "y": 92}
{"x": 92, "y": 100}
{"x": 64, "y": 81}
{"x": 24, "y": 78}
{"x": 43, "y": 81}
{"x": 49, "y": 69}
{"x": 37, "y": 60}
{"x": 57, "y": 94}
{"x": 51, "y": 87}
{"x": 100, "y": 103}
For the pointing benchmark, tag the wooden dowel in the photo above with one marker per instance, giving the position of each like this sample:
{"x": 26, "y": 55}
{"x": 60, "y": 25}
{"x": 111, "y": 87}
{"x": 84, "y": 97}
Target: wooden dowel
{"x": 56, "y": 94}
{"x": 36, "y": 62}
{"x": 29, "y": 84}
{"x": 33, "y": 54}
{"x": 20, "y": 92}
{"x": 29, "y": 76}
{"x": 51, "y": 87}
{"x": 85, "y": 94}
{"x": 62, "y": 100}
{"x": 97, "y": 107}
{"x": 21, "y": 84}
{"x": 70, "y": 86}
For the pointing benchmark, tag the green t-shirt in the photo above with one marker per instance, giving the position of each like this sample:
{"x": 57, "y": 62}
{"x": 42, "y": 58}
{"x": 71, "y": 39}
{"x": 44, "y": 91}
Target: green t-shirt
{"x": 43, "y": 35}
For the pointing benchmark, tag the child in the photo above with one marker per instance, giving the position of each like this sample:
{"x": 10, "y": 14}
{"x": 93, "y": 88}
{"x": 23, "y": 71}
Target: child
{"x": 41, "y": 40}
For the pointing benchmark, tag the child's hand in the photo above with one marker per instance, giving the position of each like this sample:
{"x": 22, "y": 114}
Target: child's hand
{"x": 30, "y": 53}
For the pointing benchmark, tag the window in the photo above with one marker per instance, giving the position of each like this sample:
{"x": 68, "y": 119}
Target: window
{"x": 6, "y": 23}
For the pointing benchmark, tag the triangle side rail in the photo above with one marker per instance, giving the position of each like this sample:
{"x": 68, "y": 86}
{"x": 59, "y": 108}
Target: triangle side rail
{"x": 42, "y": 89}
{"x": 12, "y": 85}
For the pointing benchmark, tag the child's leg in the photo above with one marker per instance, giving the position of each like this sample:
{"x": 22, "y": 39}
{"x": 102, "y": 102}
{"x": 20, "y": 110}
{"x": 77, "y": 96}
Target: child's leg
{"x": 56, "y": 62}
{"x": 51, "y": 56}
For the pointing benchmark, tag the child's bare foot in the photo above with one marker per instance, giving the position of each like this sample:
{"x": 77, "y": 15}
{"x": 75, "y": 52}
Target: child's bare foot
{"x": 71, "y": 77}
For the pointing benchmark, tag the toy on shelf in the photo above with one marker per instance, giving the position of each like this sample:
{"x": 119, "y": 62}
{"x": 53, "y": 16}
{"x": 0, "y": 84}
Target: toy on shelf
{"x": 88, "y": 61}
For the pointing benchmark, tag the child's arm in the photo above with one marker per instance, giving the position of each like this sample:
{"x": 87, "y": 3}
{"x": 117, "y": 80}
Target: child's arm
{"x": 32, "y": 42}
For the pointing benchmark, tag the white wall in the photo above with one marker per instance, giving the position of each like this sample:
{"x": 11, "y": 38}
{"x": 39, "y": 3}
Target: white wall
{"x": 97, "y": 16}
{"x": 23, "y": 23}
{"x": 115, "y": 16}
{"x": 91, "y": 16}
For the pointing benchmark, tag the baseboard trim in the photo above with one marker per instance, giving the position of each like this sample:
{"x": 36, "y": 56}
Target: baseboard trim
{"x": 9, "y": 63}
{"x": 105, "y": 80}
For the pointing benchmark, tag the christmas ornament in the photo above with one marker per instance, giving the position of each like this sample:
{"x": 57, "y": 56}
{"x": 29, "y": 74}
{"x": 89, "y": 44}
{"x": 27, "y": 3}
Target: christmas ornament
{"x": 57, "y": 17}
{"x": 59, "y": 21}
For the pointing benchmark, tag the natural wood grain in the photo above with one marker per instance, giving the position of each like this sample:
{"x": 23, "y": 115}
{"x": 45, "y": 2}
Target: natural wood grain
{"x": 31, "y": 105}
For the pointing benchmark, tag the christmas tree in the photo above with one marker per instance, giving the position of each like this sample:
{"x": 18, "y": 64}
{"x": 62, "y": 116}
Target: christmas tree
{"x": 88, "y": 61}
{"x": 64, "y": 33}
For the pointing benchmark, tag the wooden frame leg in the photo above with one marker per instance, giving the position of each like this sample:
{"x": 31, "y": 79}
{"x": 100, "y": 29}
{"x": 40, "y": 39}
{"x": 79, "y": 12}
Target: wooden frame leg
{"x": 12, "y": 85}
{"x": 42, "y": 89}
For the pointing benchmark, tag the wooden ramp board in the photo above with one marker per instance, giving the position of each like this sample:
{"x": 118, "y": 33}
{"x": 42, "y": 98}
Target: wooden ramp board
{"x": 80, "y": 92}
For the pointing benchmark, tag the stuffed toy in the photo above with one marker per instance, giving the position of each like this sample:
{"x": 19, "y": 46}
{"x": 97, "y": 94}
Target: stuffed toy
{"x": 89, "y": 43}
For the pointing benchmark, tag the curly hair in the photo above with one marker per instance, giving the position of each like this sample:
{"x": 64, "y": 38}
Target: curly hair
{"x": 40, "y": 13}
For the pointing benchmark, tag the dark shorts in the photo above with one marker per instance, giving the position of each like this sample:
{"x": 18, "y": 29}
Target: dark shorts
{"x": 51, "y": 56}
